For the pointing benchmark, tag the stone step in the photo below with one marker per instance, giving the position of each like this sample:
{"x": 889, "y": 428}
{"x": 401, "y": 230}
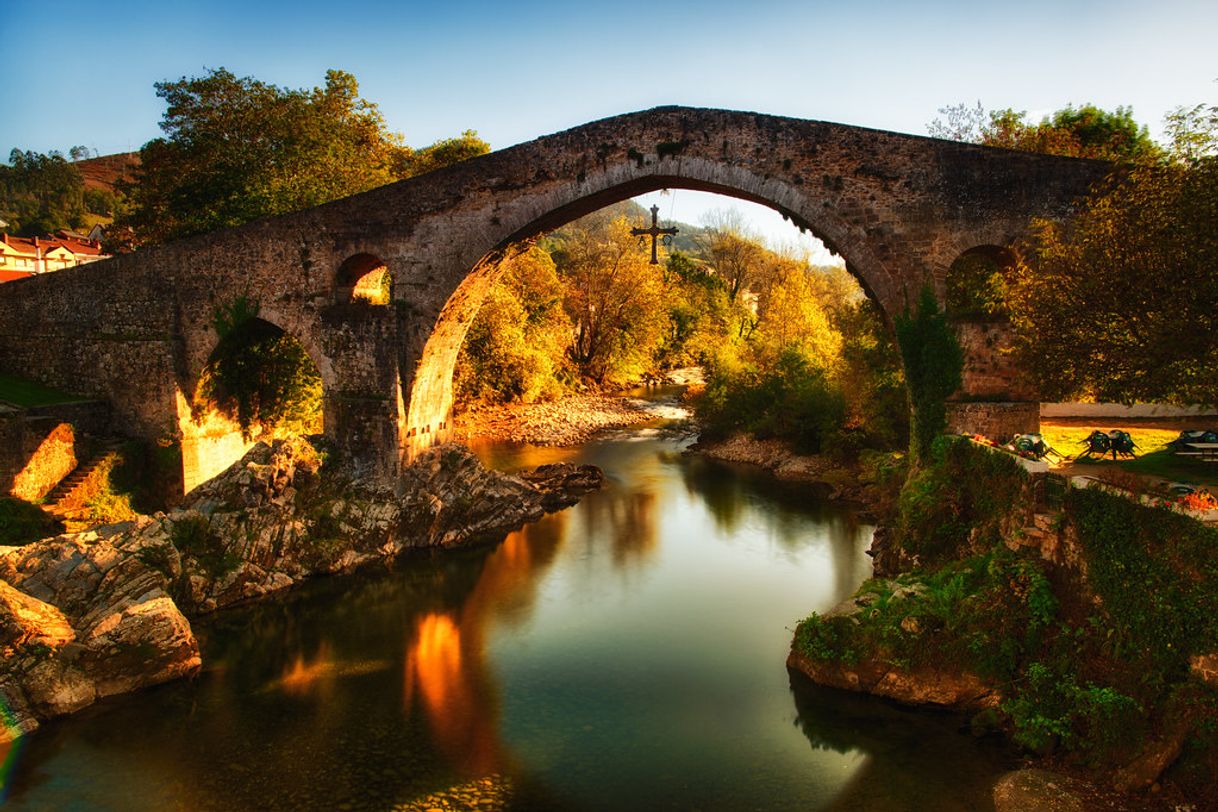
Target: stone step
{"x": 79, "y": 475}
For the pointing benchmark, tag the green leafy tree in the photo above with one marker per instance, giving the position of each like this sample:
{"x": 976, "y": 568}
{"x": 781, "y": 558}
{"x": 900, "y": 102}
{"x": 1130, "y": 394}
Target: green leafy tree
{"x": 1078, "y": 132}
{"x": 1122, "y": 304}
{"x": 933, "y": 365}
{"x": 259, "y": 376}
{"x": 41, "y": 193}
{"x": 236, "y": 149}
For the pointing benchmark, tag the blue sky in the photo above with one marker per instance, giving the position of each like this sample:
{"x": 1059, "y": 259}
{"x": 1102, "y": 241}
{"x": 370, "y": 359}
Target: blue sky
{"x": 517, "y": 70}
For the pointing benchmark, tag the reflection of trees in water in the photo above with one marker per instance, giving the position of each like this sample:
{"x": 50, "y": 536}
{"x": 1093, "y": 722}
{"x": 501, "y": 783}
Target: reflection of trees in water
{"x": 628, "y": 516}
{"x": 303, "y": 706}
{"x": 915, "y": 759}
{"x": 735, "y": 495}
{"x": 445, "y": 670}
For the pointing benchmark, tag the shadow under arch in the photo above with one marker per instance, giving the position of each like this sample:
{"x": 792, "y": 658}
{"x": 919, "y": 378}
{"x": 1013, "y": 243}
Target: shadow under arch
{"x": 211, "y": 438}
{"x": 429, "y": 409}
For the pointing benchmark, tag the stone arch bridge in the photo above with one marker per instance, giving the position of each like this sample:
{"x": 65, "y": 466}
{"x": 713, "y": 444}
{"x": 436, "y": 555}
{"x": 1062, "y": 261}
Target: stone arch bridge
{"x": 136, "y": 330}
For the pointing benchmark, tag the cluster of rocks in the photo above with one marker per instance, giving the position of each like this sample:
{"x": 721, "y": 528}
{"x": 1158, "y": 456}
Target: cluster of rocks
{"x": 91, "y": 614}
{"x": 491, "y": 793}
{"x": 569, "y": 421}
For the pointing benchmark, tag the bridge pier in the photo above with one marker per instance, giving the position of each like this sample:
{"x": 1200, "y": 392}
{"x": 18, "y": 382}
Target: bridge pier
{"x": 363, "y": 400}
{"x": 996, "y": 419}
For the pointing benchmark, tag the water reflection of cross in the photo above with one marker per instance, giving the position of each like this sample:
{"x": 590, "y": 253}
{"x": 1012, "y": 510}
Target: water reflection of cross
{"x": 653, "y": 232}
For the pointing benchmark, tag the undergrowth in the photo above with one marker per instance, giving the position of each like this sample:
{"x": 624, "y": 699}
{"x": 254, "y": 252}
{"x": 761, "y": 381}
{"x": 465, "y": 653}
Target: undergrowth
{"x": 22, "y": 523}
{"x": 193, "y": 536}
{"x": 1091, "y": 666}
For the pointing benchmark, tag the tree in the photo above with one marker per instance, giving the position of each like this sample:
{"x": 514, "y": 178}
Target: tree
{"x": 236, "y": 149}
{"x": 1123, "y": 304}
{"x": 731, "y": 250}
{"x": 615, "y": 299}
{"x": 259, "y": 376}
{"x": 515, "y": 349}
{"x": 444, "y": 153}
{"x": 1083, "y": 132}
{"x": 960, "y": 122}
{"x": 933, "y": 365}
{"x": 41, "y": 193}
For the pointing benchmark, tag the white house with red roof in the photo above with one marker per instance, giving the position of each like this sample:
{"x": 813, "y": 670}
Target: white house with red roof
{"x": 22, "y": 257}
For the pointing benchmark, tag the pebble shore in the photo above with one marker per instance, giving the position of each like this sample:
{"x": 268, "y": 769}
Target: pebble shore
{"x": 569, "y": 421}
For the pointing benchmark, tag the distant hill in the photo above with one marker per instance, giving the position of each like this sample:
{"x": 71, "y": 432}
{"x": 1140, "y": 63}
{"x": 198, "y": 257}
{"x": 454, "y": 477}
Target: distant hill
{"x": 105, "y": 171}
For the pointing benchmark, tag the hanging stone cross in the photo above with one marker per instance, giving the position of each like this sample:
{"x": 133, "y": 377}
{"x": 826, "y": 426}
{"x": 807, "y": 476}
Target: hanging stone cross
{"x": 653, "y": 232}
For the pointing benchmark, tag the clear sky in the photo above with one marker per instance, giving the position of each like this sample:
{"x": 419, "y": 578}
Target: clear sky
{"x": 82, "y": 73}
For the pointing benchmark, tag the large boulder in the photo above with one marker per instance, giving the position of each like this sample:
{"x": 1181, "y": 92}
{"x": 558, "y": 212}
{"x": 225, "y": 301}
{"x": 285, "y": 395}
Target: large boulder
{"x": 27, "y": 621}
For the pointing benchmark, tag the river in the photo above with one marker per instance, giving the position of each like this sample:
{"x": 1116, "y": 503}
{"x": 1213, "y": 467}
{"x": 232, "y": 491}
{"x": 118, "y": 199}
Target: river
{"x": 625, "y": 654}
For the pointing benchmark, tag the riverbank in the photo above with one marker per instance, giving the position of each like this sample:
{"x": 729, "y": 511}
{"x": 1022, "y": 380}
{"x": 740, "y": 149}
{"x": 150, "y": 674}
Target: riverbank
{"x": 1077, "y": 622}
{"x": 93, "y": 614}
{"x": 870, "y": 482}
{"x": 568, "y": 421}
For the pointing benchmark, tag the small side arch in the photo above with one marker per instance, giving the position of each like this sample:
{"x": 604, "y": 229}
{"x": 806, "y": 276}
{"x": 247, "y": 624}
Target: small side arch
{"x": 363, "y": 278}
{"x": 972, "y": 285}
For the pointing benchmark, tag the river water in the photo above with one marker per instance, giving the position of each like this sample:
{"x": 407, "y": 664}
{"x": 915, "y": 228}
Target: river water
{"x": 625, "y": 654}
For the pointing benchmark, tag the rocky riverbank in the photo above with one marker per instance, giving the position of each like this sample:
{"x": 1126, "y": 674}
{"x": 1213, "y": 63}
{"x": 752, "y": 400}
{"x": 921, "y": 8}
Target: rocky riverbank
{"x": 1008, "y": 596}
{"x": 851, "y": 483}
{"x": 569, "y": 421}
{"x": 93, "y": 614}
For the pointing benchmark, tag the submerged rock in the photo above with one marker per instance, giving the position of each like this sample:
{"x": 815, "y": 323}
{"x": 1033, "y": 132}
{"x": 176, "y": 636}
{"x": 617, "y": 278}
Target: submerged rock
{"x": 97, "y": 613}
{"x": 1045, "y": 791}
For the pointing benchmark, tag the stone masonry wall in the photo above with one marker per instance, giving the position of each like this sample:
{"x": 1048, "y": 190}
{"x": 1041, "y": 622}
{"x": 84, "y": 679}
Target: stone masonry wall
{"x": 39, "y": 447}
{"x": 990, "y": 371}
{"x": 34, "y": 456}
{"x": 997, "y": 421}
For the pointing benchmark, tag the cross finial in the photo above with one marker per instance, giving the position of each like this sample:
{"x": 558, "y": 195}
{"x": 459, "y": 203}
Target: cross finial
{"x": 653, "y": 232}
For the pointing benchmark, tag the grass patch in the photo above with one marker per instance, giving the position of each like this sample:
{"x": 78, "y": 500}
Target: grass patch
{"x": 1153, "y": 459}
{"x": 22, "y": 523}
{"x": 1166, "y": 465}
{"x": 21, "y": 392}
{"x": 1069, "y": 439}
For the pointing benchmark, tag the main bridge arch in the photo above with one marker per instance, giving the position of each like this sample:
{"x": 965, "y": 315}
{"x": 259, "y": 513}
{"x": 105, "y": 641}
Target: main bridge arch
{"x": 136, "y": 330}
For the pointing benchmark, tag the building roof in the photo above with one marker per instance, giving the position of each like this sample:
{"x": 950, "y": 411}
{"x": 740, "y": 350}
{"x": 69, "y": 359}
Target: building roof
{"x": 81, "y": 246}
{"x": 13, "y": 276}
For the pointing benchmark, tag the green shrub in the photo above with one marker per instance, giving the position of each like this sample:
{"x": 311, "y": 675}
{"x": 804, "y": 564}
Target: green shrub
{"x": 933, "y": 365}
{"x": 1051, "y": 709}
{"x": 793, "y": 401}
{"x": 193, "y": 537}
{"x": 1156, "y": 573}
{"x": 22, "y": 523}
{"x": 258, "y": 375}
{"x": 954, "y": 503}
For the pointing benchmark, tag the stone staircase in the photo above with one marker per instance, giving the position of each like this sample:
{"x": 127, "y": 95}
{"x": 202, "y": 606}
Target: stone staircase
{"x": 64, "y": 502}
